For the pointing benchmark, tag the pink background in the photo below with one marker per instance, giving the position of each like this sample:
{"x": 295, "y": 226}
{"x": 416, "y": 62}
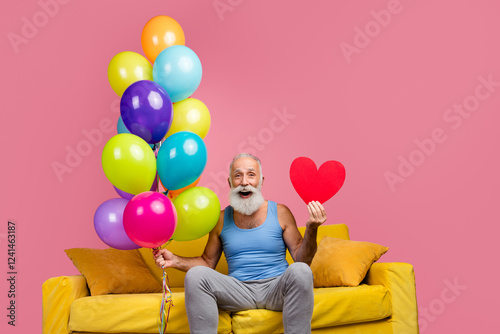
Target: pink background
{"x": 367, "y": 108}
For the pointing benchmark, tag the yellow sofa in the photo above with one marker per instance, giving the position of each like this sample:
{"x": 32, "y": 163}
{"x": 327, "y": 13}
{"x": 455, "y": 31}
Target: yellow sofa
{"x": 385, "y": 302}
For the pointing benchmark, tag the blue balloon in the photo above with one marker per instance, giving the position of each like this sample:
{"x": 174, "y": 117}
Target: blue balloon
{"x": 146, "y": 110}
{"x": 178, "y": 70}
{"x": 181, "y": 160}
{"x": 121, "y": 128}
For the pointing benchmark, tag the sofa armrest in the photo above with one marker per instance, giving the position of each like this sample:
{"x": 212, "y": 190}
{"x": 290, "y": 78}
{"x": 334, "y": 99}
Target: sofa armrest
{"x": 58, "y": 294}
{"x": 399, "y": 279}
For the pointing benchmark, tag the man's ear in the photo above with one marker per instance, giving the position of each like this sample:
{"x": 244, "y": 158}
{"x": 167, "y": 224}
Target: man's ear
{"x": 229, "y": 182}
{"x": 262, "y": 183}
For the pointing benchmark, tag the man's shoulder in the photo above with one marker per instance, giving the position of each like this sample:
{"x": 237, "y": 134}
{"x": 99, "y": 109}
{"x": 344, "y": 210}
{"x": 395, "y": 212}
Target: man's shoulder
{"x": 283, "y": 212}
{"x": 220, "y": 223}
{"x": 282, "y": 207}
{"x": 285, "y": 216}
{"x": 223, "y": 212}
{"x": 229, "y": 207}
{"x": 279, "y": 207}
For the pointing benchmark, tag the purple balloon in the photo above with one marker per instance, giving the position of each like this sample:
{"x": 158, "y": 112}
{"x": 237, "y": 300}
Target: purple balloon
{"x": 146, "y": 110}
{"x": 128, "y": 196}
{"x": 123, "y": 194}
{"x": 108, "y": 224}
{"x": 154, "y": 187}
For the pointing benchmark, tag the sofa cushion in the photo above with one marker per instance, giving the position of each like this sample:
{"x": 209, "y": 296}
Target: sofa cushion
{"x": 132, "y": 313}
{"x": 341, "y": 262}
{"x": 332, "y": 307}
{"x": 113, "y": 271}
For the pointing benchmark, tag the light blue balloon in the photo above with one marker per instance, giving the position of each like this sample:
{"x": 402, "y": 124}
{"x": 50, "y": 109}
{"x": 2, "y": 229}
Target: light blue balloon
{"x": 178, "y": 70}
{"x": 181, "y": 160}
{"x": 121, "y": 128}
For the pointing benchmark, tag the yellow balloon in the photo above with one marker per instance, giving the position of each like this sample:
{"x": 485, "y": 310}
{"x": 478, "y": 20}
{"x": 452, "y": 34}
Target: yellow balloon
{"x": 190, "y": 115}
{"x": 129, "y": 163}
{"x": 126, "y": 68}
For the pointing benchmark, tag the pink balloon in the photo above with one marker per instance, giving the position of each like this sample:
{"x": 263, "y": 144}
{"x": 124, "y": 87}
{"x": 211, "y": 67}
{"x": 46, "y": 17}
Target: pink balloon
{"x": 149, "y": 219}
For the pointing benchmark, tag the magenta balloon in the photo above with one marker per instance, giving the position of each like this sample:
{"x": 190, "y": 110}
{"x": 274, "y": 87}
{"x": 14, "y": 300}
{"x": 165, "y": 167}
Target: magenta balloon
{"x": 128, "y": 196}
{"x": 108, "y": 224}
{"x": 150, "y": 219}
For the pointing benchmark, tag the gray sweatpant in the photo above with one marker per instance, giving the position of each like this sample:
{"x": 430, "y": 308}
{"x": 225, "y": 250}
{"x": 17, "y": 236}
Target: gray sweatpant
{"x": 292, "y": 293}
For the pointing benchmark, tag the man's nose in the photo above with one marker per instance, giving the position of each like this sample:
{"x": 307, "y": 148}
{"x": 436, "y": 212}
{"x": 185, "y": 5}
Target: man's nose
{"x": 244, "y": 181}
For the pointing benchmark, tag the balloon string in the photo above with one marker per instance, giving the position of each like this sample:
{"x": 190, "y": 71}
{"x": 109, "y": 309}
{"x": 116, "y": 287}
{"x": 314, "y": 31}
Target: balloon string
{"x": 166, "y": 303}
{"x": 162, "y": 246}
{"x": 166, "y": 299}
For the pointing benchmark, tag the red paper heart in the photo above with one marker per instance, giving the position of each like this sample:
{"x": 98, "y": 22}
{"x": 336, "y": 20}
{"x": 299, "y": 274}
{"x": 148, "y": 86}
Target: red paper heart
{"x": 314, "y": 184}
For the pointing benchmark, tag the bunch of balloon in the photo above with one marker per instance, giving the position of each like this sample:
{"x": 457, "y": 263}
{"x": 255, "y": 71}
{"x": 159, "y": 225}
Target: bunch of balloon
{"x": 156, "y": 160}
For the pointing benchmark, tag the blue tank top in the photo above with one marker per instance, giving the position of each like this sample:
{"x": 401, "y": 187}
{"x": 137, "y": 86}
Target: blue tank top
{"x": 255, "y": 253}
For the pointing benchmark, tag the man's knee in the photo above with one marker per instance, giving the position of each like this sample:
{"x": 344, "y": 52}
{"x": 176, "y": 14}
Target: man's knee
{"x": 301, "y": 274}
{"x": 196, "y": 275}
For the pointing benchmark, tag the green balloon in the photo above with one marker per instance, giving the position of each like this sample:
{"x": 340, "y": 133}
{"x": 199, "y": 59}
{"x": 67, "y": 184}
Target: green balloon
{"x": 198, "y": 210}
{"x": 129, "y": 163}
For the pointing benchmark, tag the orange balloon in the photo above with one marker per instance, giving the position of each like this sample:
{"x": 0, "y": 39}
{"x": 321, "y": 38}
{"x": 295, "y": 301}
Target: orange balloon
{"x": 172, "y": 194}
{"x": 159, "y": 33}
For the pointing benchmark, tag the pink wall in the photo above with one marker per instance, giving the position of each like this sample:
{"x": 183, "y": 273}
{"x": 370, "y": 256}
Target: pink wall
{"x": 369, "y": 99}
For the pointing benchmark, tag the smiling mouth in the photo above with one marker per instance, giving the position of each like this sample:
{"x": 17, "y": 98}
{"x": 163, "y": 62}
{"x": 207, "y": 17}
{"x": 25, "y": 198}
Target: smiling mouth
{"x": 245, "y": 194}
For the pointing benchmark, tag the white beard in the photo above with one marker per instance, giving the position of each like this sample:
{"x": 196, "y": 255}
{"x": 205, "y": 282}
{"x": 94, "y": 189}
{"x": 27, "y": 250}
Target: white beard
{"x": 246, "y": 206}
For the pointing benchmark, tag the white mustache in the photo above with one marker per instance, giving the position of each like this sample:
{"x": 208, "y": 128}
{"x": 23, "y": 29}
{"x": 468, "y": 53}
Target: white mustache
{"x": 247, "y": 188}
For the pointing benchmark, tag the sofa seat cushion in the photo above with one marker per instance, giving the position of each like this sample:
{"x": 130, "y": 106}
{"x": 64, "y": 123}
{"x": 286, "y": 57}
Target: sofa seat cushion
{"x": 132, "y": 313}
{"x": 332, "y": 307}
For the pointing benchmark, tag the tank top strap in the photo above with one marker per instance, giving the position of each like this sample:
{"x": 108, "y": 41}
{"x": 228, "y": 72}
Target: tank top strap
{"x": 273, "y": 208}
{"x": 228, "y": 216}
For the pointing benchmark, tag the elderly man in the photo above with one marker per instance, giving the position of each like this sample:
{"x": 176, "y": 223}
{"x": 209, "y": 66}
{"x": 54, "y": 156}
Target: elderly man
{"x": 254, "y": 234}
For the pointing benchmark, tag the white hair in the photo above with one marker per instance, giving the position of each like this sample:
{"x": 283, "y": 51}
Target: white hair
{"x": 246, "y": 155}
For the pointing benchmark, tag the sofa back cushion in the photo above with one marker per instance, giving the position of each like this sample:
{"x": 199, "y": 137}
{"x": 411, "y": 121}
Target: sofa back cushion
{"x": 335, "y": 231}
{"x": 341, "y": 262}
{"x": 113, "y": 271}
{"x": 196, "y": 247}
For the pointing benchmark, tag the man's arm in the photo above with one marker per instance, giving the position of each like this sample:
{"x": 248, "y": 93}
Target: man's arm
{"x": 210, "y": 257}
{"x": 302, "y": 249}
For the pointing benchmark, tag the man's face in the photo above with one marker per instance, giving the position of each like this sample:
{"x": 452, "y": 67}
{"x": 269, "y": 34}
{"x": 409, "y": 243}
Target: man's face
{"x": 245, "y": 171}
{"x": 245, "y": 196}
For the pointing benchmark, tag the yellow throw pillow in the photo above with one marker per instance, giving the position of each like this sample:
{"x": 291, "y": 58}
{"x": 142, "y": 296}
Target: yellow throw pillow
{"x": 113, "y": 271}
{"x": 340, "y": 262}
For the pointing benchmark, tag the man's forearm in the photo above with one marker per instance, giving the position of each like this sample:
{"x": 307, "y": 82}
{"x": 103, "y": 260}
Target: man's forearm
{"x": 185, "y": 263}
{"x": 308, "y": 247}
